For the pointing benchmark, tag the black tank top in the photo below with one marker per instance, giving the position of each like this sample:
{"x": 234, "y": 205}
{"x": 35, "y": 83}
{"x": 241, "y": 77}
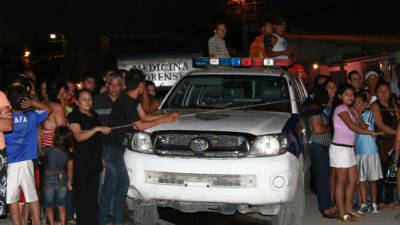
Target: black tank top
{"x": 388, "y": 114}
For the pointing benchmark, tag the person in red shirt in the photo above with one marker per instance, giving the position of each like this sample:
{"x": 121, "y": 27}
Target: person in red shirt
{"x": 262, "y": 44}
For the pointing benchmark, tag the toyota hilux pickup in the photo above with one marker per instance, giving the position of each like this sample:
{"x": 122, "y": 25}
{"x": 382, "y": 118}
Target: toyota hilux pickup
{"x": 239, "y": 146}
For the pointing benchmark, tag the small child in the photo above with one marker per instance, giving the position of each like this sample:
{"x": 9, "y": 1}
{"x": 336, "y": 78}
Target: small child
{"x": 57, "y": 159}
{"x": 367, "y": 155}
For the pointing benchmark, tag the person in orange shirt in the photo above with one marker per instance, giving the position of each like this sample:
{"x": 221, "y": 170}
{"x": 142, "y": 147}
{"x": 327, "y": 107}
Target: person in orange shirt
{"x": 299, "y": 70}
{"x": 262, "y": 44}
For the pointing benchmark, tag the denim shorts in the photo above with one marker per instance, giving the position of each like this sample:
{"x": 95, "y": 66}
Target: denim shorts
{"x": 55, "y": 191}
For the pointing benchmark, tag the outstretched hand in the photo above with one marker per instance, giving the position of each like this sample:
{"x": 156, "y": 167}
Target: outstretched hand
{"x": 172, "y": 117}
{"x": 378, "y": 133}
{"x": 103, "y": 129}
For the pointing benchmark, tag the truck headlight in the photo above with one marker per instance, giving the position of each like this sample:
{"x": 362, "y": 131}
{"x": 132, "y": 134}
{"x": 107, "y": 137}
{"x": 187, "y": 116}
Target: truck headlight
{"x": 270, "y": 145}
{"x": 141, "y": 142}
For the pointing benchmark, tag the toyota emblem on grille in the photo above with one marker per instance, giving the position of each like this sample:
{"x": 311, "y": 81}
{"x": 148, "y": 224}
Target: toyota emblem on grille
{"x": 198, "y": 144}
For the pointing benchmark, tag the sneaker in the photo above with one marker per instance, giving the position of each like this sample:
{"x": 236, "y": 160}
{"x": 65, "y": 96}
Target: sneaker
{"x": 374, "y": 208}
{"x": 363, "y": 209}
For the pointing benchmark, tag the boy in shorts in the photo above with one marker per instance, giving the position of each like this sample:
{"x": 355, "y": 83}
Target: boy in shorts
{"x": 22, "y": 147}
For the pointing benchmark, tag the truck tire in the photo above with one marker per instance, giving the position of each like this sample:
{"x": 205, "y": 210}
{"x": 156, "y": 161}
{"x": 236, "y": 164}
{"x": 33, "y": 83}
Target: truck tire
{"x": 144, "y": 213}
{"x": 292, "y": 213}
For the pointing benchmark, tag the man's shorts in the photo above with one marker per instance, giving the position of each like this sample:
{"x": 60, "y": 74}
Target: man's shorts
{"x": 21, "y": 174}
{"x": 55, "y": 191}
{"x": 37, "y": 181}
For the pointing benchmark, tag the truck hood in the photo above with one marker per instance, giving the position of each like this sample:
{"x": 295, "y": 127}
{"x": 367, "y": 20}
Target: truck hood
{"x": 253, "y": 122}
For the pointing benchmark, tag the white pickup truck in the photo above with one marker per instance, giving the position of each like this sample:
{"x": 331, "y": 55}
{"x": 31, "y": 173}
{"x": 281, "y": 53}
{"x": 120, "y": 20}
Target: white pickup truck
{"x": 239, "y": 146}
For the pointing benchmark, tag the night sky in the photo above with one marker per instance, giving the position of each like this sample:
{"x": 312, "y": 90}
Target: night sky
{"x": 170, "y": 26}
{"x": 28, "y": 19}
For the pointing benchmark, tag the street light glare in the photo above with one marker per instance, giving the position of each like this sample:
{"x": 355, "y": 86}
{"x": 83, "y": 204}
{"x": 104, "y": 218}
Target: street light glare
{"x": 315, "y": 66}
{"x": 27, "y": 53}
{"x": 53, "y": 36}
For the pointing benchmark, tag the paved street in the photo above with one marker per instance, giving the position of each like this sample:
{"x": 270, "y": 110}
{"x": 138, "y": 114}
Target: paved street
{"x": 312, "y": 217}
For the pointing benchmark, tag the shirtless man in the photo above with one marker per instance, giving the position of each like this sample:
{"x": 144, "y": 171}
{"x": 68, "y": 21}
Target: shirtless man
{"x": 57, "y": 117}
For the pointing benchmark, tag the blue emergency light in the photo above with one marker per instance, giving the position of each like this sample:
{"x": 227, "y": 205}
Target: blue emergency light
{"x": 224, "y": 61}
{"x": 236, "y": 61}
{"x": 201, "y": 61}
{"x": 247, "y": 62}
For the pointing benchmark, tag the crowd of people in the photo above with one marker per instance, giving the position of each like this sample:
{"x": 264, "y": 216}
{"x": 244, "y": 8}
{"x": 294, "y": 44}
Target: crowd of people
{"x": 59, "y": 145}
{"x": 355, "y": 144}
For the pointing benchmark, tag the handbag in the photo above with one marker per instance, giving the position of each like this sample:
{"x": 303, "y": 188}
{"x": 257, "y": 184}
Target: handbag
{"x": 391, "y": 173}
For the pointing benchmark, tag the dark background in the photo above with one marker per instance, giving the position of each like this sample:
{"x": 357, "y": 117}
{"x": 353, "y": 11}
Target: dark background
{"x": 92, "y": 34}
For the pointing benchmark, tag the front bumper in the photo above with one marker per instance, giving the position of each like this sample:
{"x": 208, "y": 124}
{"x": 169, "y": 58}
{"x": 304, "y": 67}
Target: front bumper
{"x": 253, "y": 181}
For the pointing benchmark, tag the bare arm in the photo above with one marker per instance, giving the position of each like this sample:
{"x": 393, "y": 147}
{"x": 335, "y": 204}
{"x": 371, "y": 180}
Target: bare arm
{"x": 397, "y": 144}
{"x": 274, "y": 54}
{"x": 379, "y": 121}
{"x": 70, "y": 166}
{"x": 146, "y": 100}
{"x": 5, "y": 119}
{"x": 60, "y": 115}
{"x": 146, "y": 116}
{"x": 143, "y": 125}
{"x": 359, "y": 117}
{"x": 27, "y": 103}
{"x": 397, "y": 110}
{"x": 82, "y": 135}
{"x": 318, "y": 126}
{"x": 154, "y": 105}
{"x": 352, "y": 126}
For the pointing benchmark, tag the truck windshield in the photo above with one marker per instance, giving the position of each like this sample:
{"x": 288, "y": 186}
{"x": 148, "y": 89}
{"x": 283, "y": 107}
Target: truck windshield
{"x": 230, "y": 91}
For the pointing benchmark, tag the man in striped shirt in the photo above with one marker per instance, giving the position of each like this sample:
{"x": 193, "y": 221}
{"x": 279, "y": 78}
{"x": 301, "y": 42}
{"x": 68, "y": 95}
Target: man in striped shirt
{"x": 216, "y": 44}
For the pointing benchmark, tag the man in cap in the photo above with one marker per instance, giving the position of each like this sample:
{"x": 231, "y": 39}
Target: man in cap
{"x": 371, "y": 80}
{"x": 280, "y": 49}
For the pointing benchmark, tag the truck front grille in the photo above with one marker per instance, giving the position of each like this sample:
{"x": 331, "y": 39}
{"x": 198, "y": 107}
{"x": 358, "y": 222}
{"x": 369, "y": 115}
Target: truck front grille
{"x": 220, "y": 144}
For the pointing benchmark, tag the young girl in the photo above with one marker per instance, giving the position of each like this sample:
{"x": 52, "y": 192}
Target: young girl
{"x": 341, "y": 153}
{"x": 57, "y": 159}
{"x": 367, "y": 155}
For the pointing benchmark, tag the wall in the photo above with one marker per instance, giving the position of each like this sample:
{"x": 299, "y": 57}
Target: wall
{"x": 359, "y": 65}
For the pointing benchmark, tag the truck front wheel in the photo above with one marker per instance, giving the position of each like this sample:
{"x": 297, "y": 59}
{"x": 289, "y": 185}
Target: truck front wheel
{"x": 292, "y": 213}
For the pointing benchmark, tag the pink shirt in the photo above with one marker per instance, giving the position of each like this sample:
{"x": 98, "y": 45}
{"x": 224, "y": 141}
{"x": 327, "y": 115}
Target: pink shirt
{"x": 3, "y": 102}
{"x": 342, "y": 134}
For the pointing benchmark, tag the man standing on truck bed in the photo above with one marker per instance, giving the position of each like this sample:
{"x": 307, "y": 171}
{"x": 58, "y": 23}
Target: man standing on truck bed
{"x": 262, "y": 44}
{"x": 280, "y": 50}
{"x": 125, "y": 110}
{"x": 216, "y": 44}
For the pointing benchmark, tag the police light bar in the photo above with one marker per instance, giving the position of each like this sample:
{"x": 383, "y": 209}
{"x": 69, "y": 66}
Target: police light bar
{"x": 247, "y": 62}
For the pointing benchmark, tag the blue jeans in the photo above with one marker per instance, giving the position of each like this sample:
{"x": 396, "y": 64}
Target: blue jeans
{"x": 319, "y": 156}
{"x": 111, "y": 212}
{"x": 116, "y": 184}
{"x": 55, "y": 191}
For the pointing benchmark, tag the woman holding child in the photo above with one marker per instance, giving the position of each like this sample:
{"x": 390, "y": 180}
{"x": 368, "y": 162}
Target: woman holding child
{"x": 341, "y": 151}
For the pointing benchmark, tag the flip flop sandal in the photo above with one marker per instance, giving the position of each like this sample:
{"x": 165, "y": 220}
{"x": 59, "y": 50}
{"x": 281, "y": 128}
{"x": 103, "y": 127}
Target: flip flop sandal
{"x": 348, "y": 218}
